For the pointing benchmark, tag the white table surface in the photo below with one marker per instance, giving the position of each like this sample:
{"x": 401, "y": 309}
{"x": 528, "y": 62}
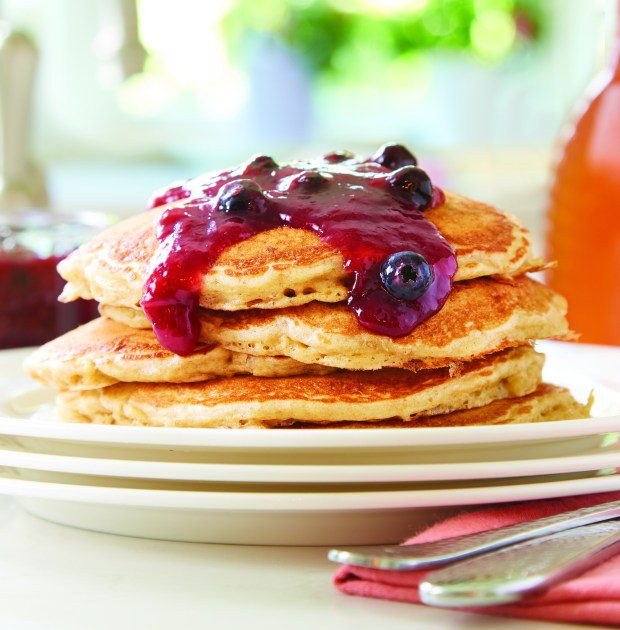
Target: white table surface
{"x": 55, "y": 577}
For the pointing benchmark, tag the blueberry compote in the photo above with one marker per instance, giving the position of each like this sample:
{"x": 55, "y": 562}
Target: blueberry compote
{"x": 371, "y": 211}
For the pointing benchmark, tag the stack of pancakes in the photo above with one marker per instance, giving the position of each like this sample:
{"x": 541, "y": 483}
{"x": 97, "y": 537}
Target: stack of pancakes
{"x": 279, "y": 347}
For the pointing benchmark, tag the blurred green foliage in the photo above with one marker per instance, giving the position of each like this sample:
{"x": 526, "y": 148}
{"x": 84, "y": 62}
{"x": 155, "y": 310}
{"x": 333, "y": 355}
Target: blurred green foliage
{"x": 344, "y": 37}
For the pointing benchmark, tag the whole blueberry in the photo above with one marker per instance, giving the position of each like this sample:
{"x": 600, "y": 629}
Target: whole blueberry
{"x": 338, "y": 156}
{"x": 240, "y": 196}
{"x": 406, "y": 275}
{"x": 413, "y": 184}
{"x": 258, "y": 163}
{"x": 393, "y": 156}
{"x": 308, "y": 181}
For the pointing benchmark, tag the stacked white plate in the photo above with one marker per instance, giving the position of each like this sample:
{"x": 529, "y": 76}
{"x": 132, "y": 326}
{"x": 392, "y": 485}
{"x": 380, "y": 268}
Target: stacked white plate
{"x": 301, "y": 487}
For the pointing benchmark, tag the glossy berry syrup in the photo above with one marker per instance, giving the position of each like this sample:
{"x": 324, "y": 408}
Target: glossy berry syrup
{"x": 401, "y": 267}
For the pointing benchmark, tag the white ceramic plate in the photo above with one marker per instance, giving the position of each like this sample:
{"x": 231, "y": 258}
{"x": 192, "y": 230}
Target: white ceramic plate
{"x": 26, "y": 411}
{"x": 311, "y": 473}
{"x": 272, "y": 518}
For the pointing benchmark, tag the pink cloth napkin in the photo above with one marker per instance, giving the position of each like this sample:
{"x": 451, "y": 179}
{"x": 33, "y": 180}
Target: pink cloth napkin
{"x": 593, "y": 597}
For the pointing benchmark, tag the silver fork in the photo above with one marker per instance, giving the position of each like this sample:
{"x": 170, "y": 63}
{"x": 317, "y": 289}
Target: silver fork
{"x": 512, "y": 573}
{"x": 426, "y": 555}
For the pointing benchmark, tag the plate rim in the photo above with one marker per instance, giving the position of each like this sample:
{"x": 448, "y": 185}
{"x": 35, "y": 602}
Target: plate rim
{"x": 303, "y": 473}
{"x": 307, "y": 438}
{"x": 311, "y": 502}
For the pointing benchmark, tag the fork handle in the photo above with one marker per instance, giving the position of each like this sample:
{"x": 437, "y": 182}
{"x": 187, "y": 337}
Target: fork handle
{"x": 425, "y": 555}
{"x": 512, "y": 573}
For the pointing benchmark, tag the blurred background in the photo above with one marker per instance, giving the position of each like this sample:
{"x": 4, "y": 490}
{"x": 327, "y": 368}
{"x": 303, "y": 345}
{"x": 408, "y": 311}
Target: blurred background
{"x": 128, "y": 95}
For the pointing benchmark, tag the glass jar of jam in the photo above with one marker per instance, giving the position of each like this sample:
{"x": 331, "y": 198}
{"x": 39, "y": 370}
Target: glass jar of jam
{"x": 32, "y": 243}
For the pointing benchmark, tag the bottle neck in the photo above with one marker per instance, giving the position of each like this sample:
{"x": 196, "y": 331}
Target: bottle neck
{"x": 615, "y": 57}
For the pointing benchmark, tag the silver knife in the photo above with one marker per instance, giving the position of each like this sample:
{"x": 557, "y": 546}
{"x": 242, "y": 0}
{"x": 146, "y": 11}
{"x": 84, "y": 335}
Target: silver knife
{"x": 425, "y": 555}
{"x": 512, "y": 573}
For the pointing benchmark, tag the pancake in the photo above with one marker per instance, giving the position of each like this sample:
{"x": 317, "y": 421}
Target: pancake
{"x": 104, "y": 352}
{"x": 548, "y": 403}
{"x": 248, "y": 401}
{"x": 284, "y": 267}
{"x": 480, "y": 317}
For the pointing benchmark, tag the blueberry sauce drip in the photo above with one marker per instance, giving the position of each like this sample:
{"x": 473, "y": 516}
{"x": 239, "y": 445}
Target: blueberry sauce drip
{"x": 174, "y": 193}
{"x": 364, "y": 210}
